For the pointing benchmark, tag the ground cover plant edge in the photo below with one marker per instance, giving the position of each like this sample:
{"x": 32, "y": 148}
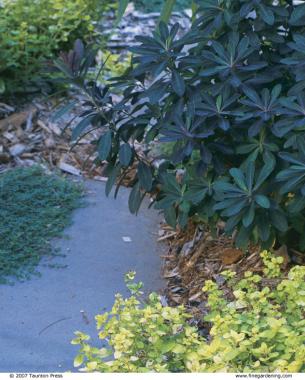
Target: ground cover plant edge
{"x": 34, "y": 208}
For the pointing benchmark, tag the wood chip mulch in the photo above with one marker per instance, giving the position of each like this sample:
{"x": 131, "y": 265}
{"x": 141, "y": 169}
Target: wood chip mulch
{"x": 194, "y": 256}
{"x": 28, "y": 136}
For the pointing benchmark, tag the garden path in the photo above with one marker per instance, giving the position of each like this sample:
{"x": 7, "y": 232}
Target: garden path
{"x": 38, "y": 317}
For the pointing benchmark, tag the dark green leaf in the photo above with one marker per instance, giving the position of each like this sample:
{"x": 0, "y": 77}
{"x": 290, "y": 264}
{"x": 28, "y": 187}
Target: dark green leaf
{"x": 239, "y": 178}
{"x": 63, "y": 110}
{"x": 167, "y": 10}
{"x": 249, "y": 216}
{"x": 263, "y": 228}
{"x": 262, "y": 201}
{"x": 244, "y": 149}
{"x": 112, "y": 176}
{"x": 121, "y": 9}
{"x": 233, "y": 210}
{"x": 135, "y": 198}
{"x": 297, "y": 13}
{"x": 232, "y": 223}
{"x": 297, "y": 204}
{"x": 82, "y": 126}
{"x": 163, "y": 30}
{"x": 145, "y": 176}
{"x": 242, "y": 238}
{"x": 178, "y": 83}
{"x": 104, "y": 145}
{"x": 221, "y": 186}
{"x": 264, "y": 174}
{"x": 125, "y": 154}
{"x": 170, "y": 216}
{"x": 250, "y": 174}
{"x": 279, "y": 220}
{"x": 267, "y": 14}
{"x": 167, "y": 202}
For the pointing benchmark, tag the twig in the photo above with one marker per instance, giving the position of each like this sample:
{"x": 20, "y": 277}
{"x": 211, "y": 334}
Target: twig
{"x": 52, "y": 324}
{"x": 167, "y": 236}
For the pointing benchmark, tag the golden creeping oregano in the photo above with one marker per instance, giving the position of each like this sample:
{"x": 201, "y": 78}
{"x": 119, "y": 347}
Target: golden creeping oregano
{"x": 261, "y": 330}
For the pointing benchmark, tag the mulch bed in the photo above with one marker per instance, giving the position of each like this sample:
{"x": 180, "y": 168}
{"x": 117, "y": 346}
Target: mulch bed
{"x": 194, "y": 256}
{"x": 28, "y": 136}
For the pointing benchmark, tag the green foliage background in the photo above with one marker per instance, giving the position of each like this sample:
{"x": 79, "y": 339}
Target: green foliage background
{"x": 32, "y": 31}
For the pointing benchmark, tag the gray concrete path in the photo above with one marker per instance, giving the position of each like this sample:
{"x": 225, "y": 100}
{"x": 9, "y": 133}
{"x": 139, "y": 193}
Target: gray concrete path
{"x": 38, "y": 317}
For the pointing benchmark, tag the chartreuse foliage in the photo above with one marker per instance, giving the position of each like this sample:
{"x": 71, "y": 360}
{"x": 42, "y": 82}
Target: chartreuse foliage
{"x": 260, "y": 330}
{"x": 230, "y": 96}
{"x": 32, "y": 31}
{"x": 34, "y": 208}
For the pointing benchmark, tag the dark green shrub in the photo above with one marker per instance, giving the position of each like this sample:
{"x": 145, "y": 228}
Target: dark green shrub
{"x": 230, "y": 95}
{"x": 31, "y": 31}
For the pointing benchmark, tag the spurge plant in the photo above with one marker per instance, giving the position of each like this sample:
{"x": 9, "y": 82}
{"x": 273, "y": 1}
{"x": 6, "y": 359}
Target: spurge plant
{"x": 229, "y": 98}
